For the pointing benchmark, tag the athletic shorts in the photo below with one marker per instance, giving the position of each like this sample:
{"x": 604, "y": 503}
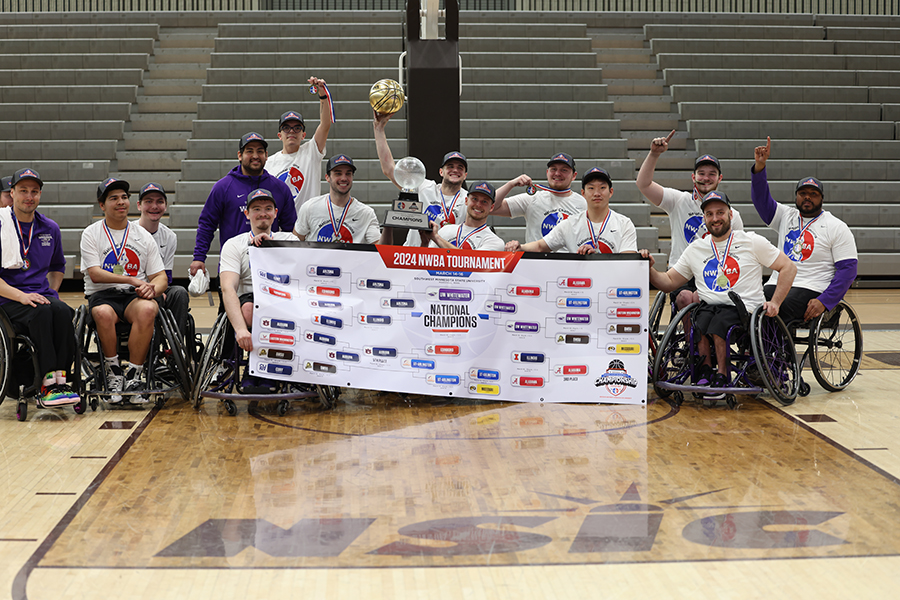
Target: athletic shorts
{"x": 246, "y": 298}
{"x": 794, "y": 305}
{"x": 690, "y": 286}
{"x": 118, "y": 299}
{"x": 716, "y": 319}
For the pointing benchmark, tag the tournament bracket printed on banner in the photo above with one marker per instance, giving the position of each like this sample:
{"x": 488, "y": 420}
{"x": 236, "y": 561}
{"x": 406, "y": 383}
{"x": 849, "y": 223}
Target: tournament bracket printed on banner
{"x": 495, "y": 325}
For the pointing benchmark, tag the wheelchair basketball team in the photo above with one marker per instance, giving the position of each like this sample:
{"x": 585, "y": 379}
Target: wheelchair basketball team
{"x": 716, "y": 271}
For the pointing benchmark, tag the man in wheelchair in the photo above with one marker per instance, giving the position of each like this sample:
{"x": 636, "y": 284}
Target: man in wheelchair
{"x": 237, "y": 279}
{"x": 32, "y": 270}
{"x": 820, "y": 244}
{"x": 726, "y": 261}
{"x": 123, "y": 275}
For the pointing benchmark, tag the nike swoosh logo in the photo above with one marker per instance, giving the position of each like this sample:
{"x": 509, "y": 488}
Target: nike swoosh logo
{"x": 241, "y": 195}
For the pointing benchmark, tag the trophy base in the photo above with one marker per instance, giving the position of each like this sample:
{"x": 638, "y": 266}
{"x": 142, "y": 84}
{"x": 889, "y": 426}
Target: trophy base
{"x": 406, "y": 220}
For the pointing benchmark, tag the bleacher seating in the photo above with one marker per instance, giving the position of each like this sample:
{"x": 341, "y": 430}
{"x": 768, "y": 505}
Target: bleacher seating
{"x": 167, "y": 95}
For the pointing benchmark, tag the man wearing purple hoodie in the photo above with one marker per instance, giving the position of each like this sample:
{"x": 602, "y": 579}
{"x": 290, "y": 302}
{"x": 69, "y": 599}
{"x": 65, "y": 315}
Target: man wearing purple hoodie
{"x": 224, "y": 208}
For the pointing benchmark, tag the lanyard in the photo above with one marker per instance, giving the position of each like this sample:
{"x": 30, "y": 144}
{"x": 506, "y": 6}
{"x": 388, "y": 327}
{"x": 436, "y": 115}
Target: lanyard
{"x": 602, "y": 228}
{"x": 25, "y": 248}
{"x": 449, "y": 211}
{"x": 722, "y": 279}
{"x": 336, "y": 227}
{"x": 459, "y": 244}
{"x": 798, "y": 243}
{"x": 312, "y": 90}
{"x": 696, "y": 195}
{"x": 117, "y": 251}
{"x": 532, "y": 189}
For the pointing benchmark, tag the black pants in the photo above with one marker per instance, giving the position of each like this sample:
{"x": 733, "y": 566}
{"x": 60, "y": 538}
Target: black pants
{"x": 50, "y": 328}
{"x": 794, "y": 306}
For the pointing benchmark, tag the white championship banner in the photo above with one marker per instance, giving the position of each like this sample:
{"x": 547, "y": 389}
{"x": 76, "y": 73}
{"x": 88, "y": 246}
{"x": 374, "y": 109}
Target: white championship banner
{"x": 492, "y": 325}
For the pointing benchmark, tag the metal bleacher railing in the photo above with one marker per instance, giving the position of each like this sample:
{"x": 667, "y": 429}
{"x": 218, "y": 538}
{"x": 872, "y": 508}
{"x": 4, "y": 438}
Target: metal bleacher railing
{"x": 848, "y": 7}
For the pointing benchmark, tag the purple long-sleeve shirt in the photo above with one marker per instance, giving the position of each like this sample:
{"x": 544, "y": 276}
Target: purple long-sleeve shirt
{"x": 224, "y": 208}
{"x": 844, "y": 270}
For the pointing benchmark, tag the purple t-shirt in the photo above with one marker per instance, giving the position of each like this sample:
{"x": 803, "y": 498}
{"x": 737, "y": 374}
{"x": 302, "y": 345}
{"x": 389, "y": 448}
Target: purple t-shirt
{"x": 44, "y": 255}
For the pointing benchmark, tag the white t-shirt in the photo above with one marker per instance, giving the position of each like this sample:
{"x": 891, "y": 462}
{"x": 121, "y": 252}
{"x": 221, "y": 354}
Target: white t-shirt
{"x": 749, "y": 253}
{"x": 235, "y": 258}
{"x": 430, "y": 195}
{"x": 300, "y": 171}
{"x": 482, "y": 240}
{"x": 544, "y": 211}
{"x": 140, "y": 257}
{"x": 168, "y": 244}
{"x": 686, "y": 220}
{"x": 825, "y": 241}
{"x": 360, "y": 225}
{"x": 618, "y": 235}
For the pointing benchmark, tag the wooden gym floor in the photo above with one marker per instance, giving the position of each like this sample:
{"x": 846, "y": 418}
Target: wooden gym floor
{"x": 384, "y": 498}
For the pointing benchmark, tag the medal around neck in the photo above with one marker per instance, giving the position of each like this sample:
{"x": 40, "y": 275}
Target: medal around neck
{"x": 407, "y": 211}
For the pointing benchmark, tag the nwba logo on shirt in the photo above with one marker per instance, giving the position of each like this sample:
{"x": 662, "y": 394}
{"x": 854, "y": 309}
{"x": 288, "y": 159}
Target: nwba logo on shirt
{"x": 712, "y": 274}
{"x": 551, "y": 221}
{"x": 294, "y": 178}
{"x": 796, "y": 250}
{"x": 326, "y": 234}
{"x": 694, "y": 228}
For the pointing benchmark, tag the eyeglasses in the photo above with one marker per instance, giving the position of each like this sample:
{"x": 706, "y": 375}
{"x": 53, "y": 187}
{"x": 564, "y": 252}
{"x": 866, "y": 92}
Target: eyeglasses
{"x": 293, "y": 129}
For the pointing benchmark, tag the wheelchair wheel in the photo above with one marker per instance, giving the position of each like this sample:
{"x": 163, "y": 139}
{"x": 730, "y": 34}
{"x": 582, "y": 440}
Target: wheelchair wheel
{"x": 173, "y": 354}
{"x": 21, "y": 410}
{"x": 773, "y": 350}
{"x": 836, "y": 346}
{"x": 653, "y": 320}
{"x": 672, "y": 362}
{"x": 5, "y": 365}
{"x": 328, "y": 395}
{"x": 210, "y": 361}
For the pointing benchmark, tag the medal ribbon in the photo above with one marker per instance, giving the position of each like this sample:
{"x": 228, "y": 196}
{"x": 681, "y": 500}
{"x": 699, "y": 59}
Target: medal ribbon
{"x": 803, "y": 229}
{"x": 724, "y": 254}
{"x": 117, "y": 251}
{"x": 336, "y": 227}
{"x": 470, "y": 234}
{"x": 537, "y": 186}
{"x": 312, "y": 90}
{"x": 602, "y": 227}
{"x": 25, "y": 248}
{"x": 449, "y": 211}
{"x": 696, "y": 195}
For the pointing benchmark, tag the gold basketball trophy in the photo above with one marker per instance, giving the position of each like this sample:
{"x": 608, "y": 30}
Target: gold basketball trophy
{"x": 387, "y": 97}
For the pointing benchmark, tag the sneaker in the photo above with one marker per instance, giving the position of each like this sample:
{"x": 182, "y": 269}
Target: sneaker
{"x": 133, "y": 383}
{"x": 115, "y": 382}
{"x": 250, "y": 384}
{"x": 704, "y": 375}
{"x": 719, "y": 380}
{"x": 267, "y": 386}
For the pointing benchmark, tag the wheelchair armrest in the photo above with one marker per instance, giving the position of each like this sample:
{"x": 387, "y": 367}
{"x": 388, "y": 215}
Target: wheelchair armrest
{"x": 743, "y": 315}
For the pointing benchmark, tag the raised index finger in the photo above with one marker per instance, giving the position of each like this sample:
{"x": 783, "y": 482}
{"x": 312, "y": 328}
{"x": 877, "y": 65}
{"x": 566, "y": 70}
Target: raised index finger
{"x": 768, "y": 144}
{"x": 669, "y": 137}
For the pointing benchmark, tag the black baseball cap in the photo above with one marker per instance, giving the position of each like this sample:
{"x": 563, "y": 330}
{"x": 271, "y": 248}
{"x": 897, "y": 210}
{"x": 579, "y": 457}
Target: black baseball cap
{"x": 714, "y": 197}
{"x": 252, "y": 137}
{"x": 339, "y": 159}
{"x": 291, "y": 115}
{"x": 6, "y": 183}
{"x": 25, "y": 174}
{"x": 152, "y": 187}
{"x": 455, "y": 155}
{"x": 562, "y": 157}
{"x": 259, "y": 194}
{"x": 110, "y": 184}
{"x": 596, "y": 173}
{"x": 810, "y": 182}
{"x": 483, "y": 187}
{"x": 707, "y": 159}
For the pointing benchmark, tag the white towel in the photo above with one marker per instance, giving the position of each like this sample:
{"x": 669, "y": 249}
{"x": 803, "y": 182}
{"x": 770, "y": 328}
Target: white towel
{"x": 10, "y": 252}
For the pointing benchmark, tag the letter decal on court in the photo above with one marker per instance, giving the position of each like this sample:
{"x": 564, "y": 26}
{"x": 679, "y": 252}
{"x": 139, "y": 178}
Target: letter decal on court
{"x": 308, "y": 537}
{"x": 468, "y": 537}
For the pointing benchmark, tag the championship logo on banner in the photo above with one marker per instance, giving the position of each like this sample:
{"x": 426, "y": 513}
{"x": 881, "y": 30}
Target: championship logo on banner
{"x": 452, "y": 322}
